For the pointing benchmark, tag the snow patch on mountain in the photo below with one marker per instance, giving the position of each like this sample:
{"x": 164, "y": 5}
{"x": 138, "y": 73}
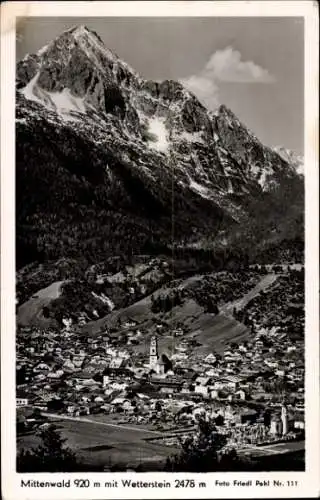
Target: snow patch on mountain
{"x": 194, "y": 137}
{"x": 230, "y": 187}
{"x": 157, "y": 128}
{"x": 216, "y": 138}
{"x": 62, "y": 102}
{"x": 200, "y": 189}
{"x": 43, "y": 50}
{"x": 263, "y": 178}
{"x": 262, "y": 175}
{"x": 30, "y": 90}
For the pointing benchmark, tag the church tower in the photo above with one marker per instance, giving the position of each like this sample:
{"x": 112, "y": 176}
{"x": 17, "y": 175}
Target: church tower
{"x": 153, "y": 359}
{"x": 284, "y": 419}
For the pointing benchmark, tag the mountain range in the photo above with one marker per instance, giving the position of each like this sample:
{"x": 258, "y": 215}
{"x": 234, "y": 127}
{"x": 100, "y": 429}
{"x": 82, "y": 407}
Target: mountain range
{"x": 109, "y": 163}
{"x": 291, "y": 157}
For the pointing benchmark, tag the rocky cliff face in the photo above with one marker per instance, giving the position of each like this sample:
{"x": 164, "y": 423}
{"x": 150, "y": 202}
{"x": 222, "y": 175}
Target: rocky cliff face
{"x": 104, "y": 155}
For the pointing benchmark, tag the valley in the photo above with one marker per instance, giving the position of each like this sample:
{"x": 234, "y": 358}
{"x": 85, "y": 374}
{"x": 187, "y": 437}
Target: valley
{"x": 97, "y": 376}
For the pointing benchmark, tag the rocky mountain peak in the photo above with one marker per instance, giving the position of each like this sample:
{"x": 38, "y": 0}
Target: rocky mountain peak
{"x": 297, "y": 161}
{"x": 82, "y": 39}
{"x": 83, "y": 30}
{"x": 226, "y": 116}
{"x": 225, "y": 111}
{"x": 76, "y": 73}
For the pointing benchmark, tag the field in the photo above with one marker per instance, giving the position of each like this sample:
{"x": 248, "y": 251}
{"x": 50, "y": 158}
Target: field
{"x": 286, "y": 447}
{"x": 286, "y": 456}
{"x": 30, "y": 313}
{"x": 99, "y": 444}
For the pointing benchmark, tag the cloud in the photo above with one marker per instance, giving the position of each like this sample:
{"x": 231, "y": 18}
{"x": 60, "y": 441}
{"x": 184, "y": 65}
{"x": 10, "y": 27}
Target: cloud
{"x": 224, "y": 66}
{"x": 204, "y": 88}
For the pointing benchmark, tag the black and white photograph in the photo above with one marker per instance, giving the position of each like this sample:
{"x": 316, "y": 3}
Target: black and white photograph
{"x": 160, "y": 220}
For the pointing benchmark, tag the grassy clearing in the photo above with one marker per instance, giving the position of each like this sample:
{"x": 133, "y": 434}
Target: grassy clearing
{"x": 30, "y": 313}
{"x": 96, "y": 445}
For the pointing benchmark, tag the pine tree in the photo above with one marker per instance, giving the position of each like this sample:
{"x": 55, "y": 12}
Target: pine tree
{"x": 50, "y": 456}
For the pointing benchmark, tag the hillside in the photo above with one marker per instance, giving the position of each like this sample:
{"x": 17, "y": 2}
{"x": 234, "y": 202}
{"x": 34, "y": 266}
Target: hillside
{"x": 210, "y": 328}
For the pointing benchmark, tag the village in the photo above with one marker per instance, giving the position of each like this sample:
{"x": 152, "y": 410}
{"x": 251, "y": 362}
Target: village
{"x": 253, "y": 390}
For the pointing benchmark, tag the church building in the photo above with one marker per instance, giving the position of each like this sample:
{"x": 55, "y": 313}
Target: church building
{"x": 160, "y": 364}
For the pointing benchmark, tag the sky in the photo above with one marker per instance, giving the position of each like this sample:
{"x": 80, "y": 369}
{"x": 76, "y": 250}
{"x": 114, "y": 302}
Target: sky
{"x": 255, "y": 66}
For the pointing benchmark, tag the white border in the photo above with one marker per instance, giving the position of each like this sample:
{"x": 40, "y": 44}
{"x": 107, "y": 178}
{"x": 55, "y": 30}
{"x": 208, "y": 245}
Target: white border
{"x": 308, "y": 482}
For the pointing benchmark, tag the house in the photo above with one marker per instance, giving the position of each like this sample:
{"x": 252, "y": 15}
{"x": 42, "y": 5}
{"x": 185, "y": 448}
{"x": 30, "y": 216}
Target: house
{"x": 143, "y": 397}
{"x": 117, "y": 362}
{"x": 299, "y": 424}
{"x": 233, "y": 381}
{"x": 214, "y": 394}
{"x": 241, "y": 394}
{"x": 204, "y": 381}
{"x": 78, "y": 359}
{"x": 118, "y": 386}
{"x": 106, "y": 407}
{"x": 82, "y": 376}
{"x": 220, "y": 384}
{"x": 71, "y": 409}
{"x": 167, "y": 390}
{"x": 275, "y": 426}
{"x": 55, "y": 375}
{"x": 106, "y": 381}
{"x": 185, "y": 389}
{"x": 83, "y": 410}
{"x": 41, "y": 367}
{"x": 98, "y": 399}
{"x": 68, "y": 366}
{"x": 120, "y": 401}
{"x": 23, "y": 399}
{"x": 210, "y": 359}
{"x": 85, "y": 399}
{"x": 201, "y": 389}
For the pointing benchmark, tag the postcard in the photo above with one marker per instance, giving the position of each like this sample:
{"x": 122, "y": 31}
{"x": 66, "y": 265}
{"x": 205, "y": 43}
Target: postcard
{"x": 159, "y": 250}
